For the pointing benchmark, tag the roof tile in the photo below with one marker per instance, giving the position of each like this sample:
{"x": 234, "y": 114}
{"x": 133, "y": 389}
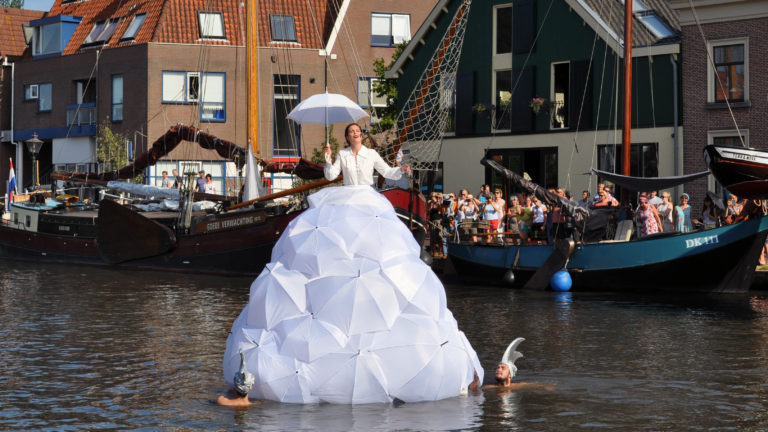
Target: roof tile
{"x": 12, "y": 41}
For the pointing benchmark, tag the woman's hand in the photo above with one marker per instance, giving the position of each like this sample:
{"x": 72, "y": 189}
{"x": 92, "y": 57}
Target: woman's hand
{"x": 406, "y": 169}
{"x": 327, "y": 150}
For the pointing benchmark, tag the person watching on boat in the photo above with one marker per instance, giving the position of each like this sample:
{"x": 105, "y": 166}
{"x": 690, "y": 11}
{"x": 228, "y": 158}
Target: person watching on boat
{"x": 665, "y": 210}
{"x": 357, "y": 161}
{"x": 208, "y": 186}
{"x": 514, "y": 210}
{"x": 602, "y": 200}
{"x": 165, "y": 182}
{"x": 176, "y": 179}
{"x": 539, "y": 212}
{"x": 709, "y": 216}
{"x": 647, "y": 218}
{"x": 492, "y": 211}
{"x": 683, "y": 215}
{"x": 468, "y": 213}
{"x": 584, "y": 202}
{"x": 201, "y": 182}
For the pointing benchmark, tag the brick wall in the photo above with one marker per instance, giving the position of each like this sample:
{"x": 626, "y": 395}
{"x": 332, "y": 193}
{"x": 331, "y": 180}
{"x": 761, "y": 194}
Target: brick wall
{"x": 698, "y": 119}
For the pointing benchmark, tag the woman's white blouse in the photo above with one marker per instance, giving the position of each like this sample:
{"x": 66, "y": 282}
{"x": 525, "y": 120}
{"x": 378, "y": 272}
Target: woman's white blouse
{"x": 359, "y": 171}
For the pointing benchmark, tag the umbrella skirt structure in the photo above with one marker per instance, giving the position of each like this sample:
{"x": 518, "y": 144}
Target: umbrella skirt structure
{"x": 348, "y": 313}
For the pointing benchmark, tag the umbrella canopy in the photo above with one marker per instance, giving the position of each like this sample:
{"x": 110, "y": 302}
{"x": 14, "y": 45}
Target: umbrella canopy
{"x": 386, "y": 237}
{"x": 356, "y": 377}
{"x": 362, "y": 302}
{"x": 310, "y": 245}
{"x": 326, "y": 108}
{"x": 278, "y": 293}
{"x": 418, "y": 288}
{"x": 307, "y": 338}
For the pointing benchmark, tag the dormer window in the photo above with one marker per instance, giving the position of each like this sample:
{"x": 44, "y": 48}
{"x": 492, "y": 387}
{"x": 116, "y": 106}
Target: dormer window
{"x": 101, "y": 32}
{"x": 46, "y": 39}
{"x": 283, "y": 28}
{"x": 48, "y": 36}
{"x": 211, "y": 25}
{"x": 133, "y": 28}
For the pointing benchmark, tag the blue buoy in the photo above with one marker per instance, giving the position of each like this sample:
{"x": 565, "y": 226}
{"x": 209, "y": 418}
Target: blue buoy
{"x": 561, "y": 281}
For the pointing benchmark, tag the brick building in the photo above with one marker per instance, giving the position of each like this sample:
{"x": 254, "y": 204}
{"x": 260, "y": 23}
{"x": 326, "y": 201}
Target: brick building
{"x": 735, "y": 38}
{"x": 142, "y": 67}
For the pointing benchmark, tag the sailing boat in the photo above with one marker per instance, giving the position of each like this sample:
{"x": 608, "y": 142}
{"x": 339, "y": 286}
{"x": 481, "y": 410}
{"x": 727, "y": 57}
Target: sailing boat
{"x": 721, "y": 259}
{"x": 232, "y": 239}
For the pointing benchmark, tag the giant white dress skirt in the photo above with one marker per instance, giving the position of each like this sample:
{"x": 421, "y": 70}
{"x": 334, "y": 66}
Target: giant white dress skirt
{"x": 346, "y": 312}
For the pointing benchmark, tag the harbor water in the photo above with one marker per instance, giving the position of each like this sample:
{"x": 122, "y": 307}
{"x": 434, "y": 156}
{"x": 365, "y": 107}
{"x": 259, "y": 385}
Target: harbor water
{"x": 92, "y": 349}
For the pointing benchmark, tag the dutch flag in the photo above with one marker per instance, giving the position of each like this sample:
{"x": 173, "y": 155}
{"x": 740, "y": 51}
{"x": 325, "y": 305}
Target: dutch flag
{"x": 11, "y": 185}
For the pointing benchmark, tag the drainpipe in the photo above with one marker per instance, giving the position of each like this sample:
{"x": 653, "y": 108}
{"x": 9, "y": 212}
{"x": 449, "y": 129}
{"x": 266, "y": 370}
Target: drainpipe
{"x": 675, "y": 127}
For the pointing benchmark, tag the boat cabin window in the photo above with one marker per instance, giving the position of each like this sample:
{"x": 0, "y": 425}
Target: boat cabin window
{"x": 28, "y": 220}
{"x": 211, "y": 25}
{"x": 283, "y": 28}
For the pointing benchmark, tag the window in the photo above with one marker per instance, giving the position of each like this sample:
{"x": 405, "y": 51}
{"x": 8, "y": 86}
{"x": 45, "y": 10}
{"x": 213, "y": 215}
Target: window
{"x": 283, "y": 28}
{"x": 448, "y": 102}
{"x": 133, "y": 28}
{"x": 44, "y": 98}
{"x": 193, "y": 86}
{"x": 390, "y": 29}
{"x": 85, "y": 91}
{"x": 101, "y": 32}
{"x": 213, "y": 101}
{"x": 559, "y": 96}
{"x": 366, "y": 95}
{"x": 46, "y": 39}
{"x": 206, "y": 88}
{"x": 503, "y": 100}
{"x": 503, "y": 31}
{"x": 731, "y": 82}
{"x": 286, "y": 97}
{"x": 539, "y": 163}
{"x": 117, "y": 98}
{"x": 30, "y": 92}
{"x": 729, "y": 138}
{"x": 643, "y": 161}
{"x": 211, "y": 25}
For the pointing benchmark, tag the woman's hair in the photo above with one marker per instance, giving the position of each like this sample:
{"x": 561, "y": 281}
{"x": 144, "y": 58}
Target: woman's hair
{"x": 346, "y": 130}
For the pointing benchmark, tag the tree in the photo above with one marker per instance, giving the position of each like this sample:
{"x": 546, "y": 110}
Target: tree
{"x": 386, "y": 88}
{"x": 18, "y": 4}
{"x": 110, "y": 148}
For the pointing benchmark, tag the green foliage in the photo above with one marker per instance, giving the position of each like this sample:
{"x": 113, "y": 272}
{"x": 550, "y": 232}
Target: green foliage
{"x": 318, "y": 153}
{"x": 386, "y": 88}
{"x": 110, "y": 148}
{"x": 18, "y": 4}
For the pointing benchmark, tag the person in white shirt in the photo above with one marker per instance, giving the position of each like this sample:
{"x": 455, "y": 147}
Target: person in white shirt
{"x": 357, "y": 161}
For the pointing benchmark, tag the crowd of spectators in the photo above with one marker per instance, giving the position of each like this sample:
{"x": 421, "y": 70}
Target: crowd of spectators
{"x": 487, "y": 217}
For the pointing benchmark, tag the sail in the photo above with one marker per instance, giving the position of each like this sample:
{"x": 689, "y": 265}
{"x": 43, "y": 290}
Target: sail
{"x": 578, "y": 213}
{"x": 647, "y": 184}
{"x": 252, "y": 189}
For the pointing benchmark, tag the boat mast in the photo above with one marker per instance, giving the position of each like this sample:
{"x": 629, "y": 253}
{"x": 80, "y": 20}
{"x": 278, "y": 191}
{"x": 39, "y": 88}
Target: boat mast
{"x": 626, "y": 137}
{"x": 251, "y": 46}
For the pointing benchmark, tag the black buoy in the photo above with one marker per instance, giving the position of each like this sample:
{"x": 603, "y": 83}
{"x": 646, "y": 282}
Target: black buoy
{"x": 509, "y": 277}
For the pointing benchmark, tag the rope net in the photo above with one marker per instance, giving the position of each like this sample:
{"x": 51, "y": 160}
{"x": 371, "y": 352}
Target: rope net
{"x": 429, "y": 111}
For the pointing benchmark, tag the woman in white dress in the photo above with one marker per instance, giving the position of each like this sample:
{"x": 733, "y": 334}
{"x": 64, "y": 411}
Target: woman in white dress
{"x": 357, "y": 161}
{"x": 347, "y": 312}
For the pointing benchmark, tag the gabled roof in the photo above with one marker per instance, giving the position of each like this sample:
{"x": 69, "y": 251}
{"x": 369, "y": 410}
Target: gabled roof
{"x": 606, "y": 17}
{"x": 176, "y": 21}
{"x": 12, "y": 42}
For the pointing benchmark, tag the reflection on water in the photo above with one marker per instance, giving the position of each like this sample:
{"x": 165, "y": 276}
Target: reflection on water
{"x": 90, "y": 348}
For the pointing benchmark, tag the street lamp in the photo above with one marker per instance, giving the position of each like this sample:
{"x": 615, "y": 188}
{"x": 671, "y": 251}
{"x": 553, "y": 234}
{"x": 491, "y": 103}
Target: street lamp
{"x": 33, "y": 146}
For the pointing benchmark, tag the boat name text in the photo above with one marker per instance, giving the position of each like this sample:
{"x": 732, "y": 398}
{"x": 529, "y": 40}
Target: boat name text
{"x": 701, "y": 241}
{"x": 232, "y": 223}
{"x": 741, "y": 156}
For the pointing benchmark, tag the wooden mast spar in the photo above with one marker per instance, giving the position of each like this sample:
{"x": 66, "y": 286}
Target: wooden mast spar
{"x": 626, "y": 136}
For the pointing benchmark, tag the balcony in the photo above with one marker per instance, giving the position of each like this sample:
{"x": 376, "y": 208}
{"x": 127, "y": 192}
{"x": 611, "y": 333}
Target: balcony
{"x": 81, "y": 115}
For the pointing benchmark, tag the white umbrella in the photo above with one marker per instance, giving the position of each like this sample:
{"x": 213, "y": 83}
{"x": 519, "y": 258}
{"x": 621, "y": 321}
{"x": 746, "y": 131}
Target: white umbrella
{"x": 386, "y": 237}
{"x": 360, "y": 302}
{"x": 307, "y": 338}
{"x": 326, "y": 108}
{"x": 349, "y": 377}
{"x": 309, "y": 245}
{"x": 277, "y": 293}
{"x": 418, "y": 288}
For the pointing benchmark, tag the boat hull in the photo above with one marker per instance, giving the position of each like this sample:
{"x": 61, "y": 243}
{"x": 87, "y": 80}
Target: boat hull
{"x": 743, "y": 171}
{"x": 722, "y": 259}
